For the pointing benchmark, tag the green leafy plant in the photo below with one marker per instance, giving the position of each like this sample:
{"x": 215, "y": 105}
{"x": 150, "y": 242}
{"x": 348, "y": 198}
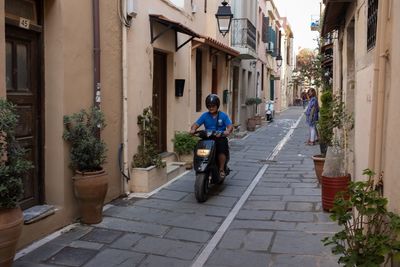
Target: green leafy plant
{"x": 325, "y": 125}
{"x": 82, "y": 131}
{"x": 13, "y": 164}
{"x": 253, "y": 101}
{"x": 370, "y": 231}
{"x": 147, "y": 154}
{"x": 184, "y": 143}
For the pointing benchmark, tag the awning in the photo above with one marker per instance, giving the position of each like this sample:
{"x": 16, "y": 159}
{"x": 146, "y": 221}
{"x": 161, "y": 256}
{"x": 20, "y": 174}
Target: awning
{"x": 218, "y": 46}
{"x": 334, "y": 15}
{"x": 171, "y": 25}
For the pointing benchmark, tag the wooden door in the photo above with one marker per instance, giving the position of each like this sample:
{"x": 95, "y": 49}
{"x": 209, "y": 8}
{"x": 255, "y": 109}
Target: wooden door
{"x": 214, "y": 75}
{"x": 160, "y": 98}
{"x": 23, "y": 74}
{"x": 235, "y": 88}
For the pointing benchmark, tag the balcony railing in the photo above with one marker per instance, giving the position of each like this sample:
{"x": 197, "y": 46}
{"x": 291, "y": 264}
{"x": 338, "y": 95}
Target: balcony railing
{"x": 243, "y": 34}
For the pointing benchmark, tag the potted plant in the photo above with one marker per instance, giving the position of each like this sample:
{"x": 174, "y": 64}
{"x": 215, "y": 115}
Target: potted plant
{"x": 369, "y": 235}
{"x": 88, "y": 154}
{"x": 325, "y": 131}
{"x": 335, "y": 177}
{"x": 148, "y": 168}
{"x": 13, "y": 167}
{"x": 184, "y": 144}
{"x": 251, "y": 101}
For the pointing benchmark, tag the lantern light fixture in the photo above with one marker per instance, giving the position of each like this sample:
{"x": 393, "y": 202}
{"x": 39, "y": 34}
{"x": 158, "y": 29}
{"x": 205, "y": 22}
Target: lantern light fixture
{"x": 224, "y": 18}
{"x": 279, "y": 61}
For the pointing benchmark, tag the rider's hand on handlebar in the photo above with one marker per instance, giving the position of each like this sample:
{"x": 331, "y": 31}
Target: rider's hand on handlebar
{"x": 226, "y": 133}
{"x": 192, "y": 131}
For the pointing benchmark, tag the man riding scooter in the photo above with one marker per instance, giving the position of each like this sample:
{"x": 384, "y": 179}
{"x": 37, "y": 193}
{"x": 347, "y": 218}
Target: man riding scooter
{"x": 218, "y": 121}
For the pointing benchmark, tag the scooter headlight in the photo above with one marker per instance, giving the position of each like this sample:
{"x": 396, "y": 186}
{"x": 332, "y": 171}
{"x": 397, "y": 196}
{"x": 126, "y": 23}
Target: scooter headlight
{"x": 203, "y": 152}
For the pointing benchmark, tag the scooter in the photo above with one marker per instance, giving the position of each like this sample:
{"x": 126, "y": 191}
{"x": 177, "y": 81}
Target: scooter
{"x": 205, "y": 163}
{"x": 269, "y": 113}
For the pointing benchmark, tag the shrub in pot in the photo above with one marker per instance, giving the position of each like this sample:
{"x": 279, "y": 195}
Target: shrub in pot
{"x": 325, "y": 131}
{"x": 13, "y": 167}
{"x": 88, "y": 154}
{"x": 370, "y": 232}
{"x": 184, "y": 144}
{"x": 147, "y": 166}
{"x": 325, "y": 125}
{"x": 335, "y": 176}
{"x": 147, "y": 154}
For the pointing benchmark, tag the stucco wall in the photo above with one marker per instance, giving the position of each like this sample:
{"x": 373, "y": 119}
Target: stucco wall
{"x": 180, "y": 65}
{"x": 392, "y": 110}
{"x": 68, "y": 87}
{"x": 364, "y": 67}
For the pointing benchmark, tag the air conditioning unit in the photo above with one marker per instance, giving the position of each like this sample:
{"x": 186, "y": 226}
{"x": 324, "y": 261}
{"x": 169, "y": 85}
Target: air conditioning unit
{"x": 270, "y": 47}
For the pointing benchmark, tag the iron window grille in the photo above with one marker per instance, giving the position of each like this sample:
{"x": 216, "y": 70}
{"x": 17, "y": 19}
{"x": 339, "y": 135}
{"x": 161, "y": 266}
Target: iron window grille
{"x": 372, "y": 23}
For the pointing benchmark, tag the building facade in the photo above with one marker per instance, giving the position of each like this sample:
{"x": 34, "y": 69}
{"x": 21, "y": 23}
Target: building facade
{"x": 365, "y": 66}
{"x": 62, "y": 56}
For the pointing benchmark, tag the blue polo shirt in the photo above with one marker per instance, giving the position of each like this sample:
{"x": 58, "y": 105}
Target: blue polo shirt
{"x": 210, "y": 122}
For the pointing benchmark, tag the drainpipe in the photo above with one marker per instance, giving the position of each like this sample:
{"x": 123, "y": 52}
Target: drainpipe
{"x": 378, "y": 104}
{"x": 96, "y": 53}
{"x": 125, "y": 167}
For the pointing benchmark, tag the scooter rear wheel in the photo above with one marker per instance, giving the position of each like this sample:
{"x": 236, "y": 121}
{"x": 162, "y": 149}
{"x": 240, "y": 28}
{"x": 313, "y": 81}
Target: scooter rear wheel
{"x": 201, "y": 187}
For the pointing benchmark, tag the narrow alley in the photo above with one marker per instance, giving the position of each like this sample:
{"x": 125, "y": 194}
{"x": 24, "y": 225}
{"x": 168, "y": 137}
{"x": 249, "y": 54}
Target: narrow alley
{"x": 267, "y": 213}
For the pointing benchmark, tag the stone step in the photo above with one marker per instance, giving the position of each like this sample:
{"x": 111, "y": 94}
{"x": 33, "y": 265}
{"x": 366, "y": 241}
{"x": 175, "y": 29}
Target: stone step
{"x": 169, "y": 157}
{"x": 174, "y": 169}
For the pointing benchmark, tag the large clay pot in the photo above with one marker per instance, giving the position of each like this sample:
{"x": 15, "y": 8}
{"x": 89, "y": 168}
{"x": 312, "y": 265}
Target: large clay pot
{"x": 10, "y": 230}
{"x": 319, "y": 161}
{"x": 188, "y": 159}
{"x": 257, "y": 118}
{"x": 251, "y": 124}
{"x": 90, "y": 189}
{"x": 330, "y": 186}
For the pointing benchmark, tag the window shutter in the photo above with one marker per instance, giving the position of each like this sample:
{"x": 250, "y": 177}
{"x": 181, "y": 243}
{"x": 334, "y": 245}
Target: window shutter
{"x": 265, "y": 29}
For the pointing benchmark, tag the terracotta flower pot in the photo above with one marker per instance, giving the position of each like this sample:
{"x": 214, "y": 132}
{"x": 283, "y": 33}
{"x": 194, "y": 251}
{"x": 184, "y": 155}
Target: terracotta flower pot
{"x": 251, "y": 124}
{"x": 257, "y": 119}
{"x": 10, "y": 230}
{"x": 319, "y": 161}
{"x": 330, "y": 186}
{"x": 90, "y": 189}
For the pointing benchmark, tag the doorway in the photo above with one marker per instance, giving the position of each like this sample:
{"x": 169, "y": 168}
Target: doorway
{"x": 235, "y": 89}
{"x": 160, "y": 98}
{"x": 23, "y": 72}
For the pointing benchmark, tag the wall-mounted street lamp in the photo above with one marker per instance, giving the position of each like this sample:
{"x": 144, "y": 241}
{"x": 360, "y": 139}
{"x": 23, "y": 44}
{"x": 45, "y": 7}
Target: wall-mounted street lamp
{"x": 279, "y": 61}
{"x": 224, "y": 18}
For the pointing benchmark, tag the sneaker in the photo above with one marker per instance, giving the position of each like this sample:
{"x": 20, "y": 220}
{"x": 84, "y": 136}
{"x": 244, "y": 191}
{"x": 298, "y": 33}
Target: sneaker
{"x": 222, "y": 174}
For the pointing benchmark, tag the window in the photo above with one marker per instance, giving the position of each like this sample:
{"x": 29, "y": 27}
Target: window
{"x": 265, "y": 29}
{"x": 21, "y": 8}
{"x": 199, "y": 76}
{"x": 272, "y": 88}
{"x": 372, "y": 21}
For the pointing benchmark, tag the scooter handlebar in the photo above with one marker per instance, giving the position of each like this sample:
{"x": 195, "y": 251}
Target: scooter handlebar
{"x": 208, "y": 134}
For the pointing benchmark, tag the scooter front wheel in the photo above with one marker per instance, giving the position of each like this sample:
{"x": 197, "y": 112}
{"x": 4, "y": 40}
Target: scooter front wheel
{"x": 201, "y": 187}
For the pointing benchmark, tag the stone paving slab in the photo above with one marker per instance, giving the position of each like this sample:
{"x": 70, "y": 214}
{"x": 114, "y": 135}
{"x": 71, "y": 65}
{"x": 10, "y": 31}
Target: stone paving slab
{"x": 115, "y": 257}
{"x": 169, "y": 248}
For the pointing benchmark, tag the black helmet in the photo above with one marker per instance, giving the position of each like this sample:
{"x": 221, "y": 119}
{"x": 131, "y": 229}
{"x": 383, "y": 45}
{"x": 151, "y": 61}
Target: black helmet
{"x": 212, "y": 99}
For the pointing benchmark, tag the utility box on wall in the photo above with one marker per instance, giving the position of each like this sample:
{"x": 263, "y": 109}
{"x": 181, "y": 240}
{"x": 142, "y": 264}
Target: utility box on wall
{"x": 179, "y": 87}
{"x": 225, "y": 96}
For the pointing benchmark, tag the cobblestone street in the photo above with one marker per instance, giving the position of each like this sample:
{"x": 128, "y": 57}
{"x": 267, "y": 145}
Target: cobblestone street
{"x": 278, "y": 223}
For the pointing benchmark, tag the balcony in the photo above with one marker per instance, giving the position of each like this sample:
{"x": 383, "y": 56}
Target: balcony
{"x": 244, "y": 38}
